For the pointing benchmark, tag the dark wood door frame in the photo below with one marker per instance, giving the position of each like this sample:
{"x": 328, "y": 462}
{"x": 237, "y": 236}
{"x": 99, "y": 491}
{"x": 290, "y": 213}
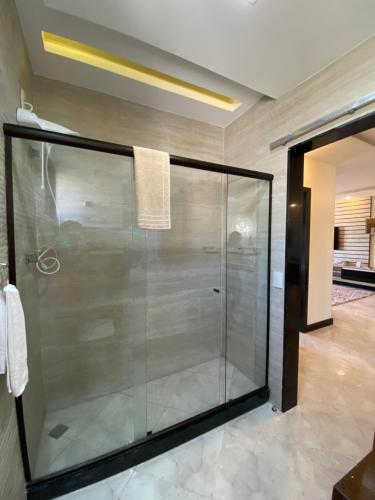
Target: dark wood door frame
{"x": 294, "y": 248}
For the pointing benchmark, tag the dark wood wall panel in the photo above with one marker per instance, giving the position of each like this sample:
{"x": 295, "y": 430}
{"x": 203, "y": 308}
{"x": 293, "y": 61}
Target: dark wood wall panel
{"x": 350, "y": 216}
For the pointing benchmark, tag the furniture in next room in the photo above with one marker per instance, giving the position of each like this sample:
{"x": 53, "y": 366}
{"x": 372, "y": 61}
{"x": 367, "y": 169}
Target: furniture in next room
{"x": 359, "y": 482}
{"x": 363, "y": 274}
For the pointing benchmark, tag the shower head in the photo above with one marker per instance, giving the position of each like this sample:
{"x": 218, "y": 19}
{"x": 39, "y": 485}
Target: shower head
{"x": 29, "y": 119}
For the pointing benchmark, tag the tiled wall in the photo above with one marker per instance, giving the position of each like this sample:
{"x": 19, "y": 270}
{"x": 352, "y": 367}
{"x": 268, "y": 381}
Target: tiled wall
{"x": 122, "y": 291}
{"x": 94, "y": 308}
{"x": 184, "y": 265}
{"x": 14, "y": 71}
{"x": 247, "y": 142}
{"x": 128, "y": 123}
{"x": 100, "y": 116}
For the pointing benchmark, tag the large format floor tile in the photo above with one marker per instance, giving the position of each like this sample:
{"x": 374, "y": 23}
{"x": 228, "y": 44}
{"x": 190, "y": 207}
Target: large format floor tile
{"x": 266, "y": 455}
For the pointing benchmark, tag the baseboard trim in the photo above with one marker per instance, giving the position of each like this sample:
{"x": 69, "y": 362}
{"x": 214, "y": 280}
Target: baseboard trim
{"x": 317, "y": 325}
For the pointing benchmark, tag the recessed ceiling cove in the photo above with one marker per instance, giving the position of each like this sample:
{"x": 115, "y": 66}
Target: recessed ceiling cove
{"x": 86, "y": 54}
{"x": 35, "y": 17}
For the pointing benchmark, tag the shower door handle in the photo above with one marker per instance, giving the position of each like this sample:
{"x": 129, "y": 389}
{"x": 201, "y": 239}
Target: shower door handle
{"x": 216, "y": 290}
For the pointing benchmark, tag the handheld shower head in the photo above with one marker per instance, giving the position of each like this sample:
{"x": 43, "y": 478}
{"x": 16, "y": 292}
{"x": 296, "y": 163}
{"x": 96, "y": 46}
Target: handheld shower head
{"x": 27, "y": 118}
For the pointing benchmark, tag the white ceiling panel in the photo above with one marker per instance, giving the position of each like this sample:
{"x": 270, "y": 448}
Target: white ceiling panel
{"x": 270, "y": 47}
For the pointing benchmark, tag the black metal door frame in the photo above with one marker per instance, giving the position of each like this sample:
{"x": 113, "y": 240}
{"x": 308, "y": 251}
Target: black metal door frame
{"x": 294, "y": 248}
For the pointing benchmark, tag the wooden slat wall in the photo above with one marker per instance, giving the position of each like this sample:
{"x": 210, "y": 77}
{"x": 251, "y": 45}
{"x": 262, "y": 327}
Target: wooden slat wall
{"x": 350, "y": 216}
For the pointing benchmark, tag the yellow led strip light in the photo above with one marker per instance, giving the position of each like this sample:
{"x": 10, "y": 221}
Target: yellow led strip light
{"x": 86, "y": 54}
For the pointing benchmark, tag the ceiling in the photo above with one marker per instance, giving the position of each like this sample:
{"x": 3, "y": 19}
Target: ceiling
{"x": 354, "y": 158}
{"x": 229, "y": 46}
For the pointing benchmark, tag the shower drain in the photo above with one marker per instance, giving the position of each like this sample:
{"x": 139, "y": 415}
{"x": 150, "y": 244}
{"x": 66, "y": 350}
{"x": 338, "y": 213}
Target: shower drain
{"x": 58, "y": 431}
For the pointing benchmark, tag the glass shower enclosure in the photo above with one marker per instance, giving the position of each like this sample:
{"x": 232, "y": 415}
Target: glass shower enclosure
{"x": 131, "y": 332}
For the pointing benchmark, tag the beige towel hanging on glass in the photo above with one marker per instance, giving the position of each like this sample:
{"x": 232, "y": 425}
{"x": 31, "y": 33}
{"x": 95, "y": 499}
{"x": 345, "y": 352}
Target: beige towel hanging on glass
{"x": 152, "y": 187}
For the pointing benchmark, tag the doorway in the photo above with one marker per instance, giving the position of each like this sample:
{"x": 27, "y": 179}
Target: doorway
{"x": 295, "y": 257}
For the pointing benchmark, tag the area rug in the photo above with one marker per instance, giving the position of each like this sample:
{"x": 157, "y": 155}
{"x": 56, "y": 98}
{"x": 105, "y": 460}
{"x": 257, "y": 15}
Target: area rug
{"x": 342, "y": 294}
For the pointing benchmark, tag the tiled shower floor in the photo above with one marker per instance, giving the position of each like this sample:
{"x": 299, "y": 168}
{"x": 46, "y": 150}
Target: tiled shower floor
{"x": 105, "y": 423}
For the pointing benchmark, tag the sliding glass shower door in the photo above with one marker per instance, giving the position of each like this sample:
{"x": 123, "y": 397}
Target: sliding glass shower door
{"x": 185, "y": 301}
{"x": 247, "y": 284}
{"x": 132, "y": 331}
{"x": 81, "y": 271}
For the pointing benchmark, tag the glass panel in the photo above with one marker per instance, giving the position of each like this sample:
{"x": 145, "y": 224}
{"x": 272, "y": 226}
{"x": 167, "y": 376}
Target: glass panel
{"x": 247, "y": 284}
{"x": 81, "y": 275}
{"x": 185, "y": 365}
{"x": 131, "y": 331}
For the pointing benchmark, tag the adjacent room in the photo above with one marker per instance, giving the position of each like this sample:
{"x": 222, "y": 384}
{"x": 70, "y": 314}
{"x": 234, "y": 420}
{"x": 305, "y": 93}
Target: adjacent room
{"x": 339, "y": 245}
{"x": 337, "y": 280}
{"x": 185, "y": 187}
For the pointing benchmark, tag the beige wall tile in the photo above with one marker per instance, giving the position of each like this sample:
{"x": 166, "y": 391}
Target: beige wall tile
{"x": 246, "y": 145}
{"x": 107, "y": 118}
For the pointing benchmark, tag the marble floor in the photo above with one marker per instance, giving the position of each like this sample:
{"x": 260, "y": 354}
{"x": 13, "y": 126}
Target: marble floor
{"x": 271, "y": 456}
{"x": 102, "y": 424}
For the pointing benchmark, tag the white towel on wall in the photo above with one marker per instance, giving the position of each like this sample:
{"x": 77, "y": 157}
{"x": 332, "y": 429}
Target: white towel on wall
{"x": 17, "y": 371}
{"x": 3, "y": 334}
{"x": 152, "y": 187}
